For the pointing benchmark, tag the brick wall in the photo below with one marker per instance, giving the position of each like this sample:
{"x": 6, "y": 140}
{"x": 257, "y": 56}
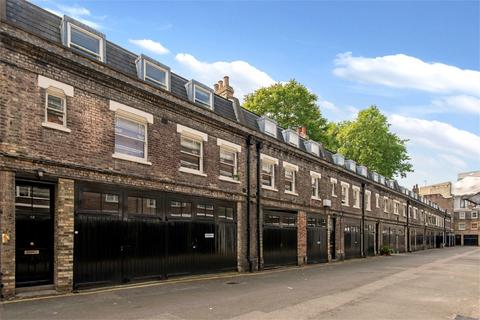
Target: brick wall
{"x": 7, "y": 230}
{"x": 302, "y": 237}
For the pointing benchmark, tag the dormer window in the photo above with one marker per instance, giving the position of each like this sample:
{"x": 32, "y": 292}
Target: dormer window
{"x": 268, "y": 126}
{"x": 83, "y": 39}
{"x": 153, "y": 72}
{"x": 313, "y": 147}
{"x": 291, "y": 137}
{"x": 338, "y": 159}
{"x": 351, "y": 165}
{"x": 200, "y": 94}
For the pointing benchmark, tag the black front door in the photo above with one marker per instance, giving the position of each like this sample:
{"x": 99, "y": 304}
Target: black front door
{"x": 279, "y": 238}
{"x": 33, "y": 234}
{"x": 316, "y": 239}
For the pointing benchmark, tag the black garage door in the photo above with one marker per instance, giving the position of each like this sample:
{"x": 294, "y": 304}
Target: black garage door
{"x": 316, "y": 239}
{"x": 351, "y": 234}
{"x": 470, "y": 240}
{"x": 123, "y": 235}
{"x": 279, "y": 238}
{"x": 369, "y": 233}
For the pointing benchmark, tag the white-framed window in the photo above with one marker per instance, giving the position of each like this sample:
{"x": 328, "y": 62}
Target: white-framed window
{"x": 415, "y": 211}
{"x": 377, "y": 200}
{"x": 356, "y": 196}
{"x": 55, "y": 103}
{"x": 333, "y": 185}
{"x": 191, "y": 150}
{"x": 396, "y": 207}
{"x": 290, "y": 177}
{"x": 291, "y": 137}
{"x": 474, "y": 215}
{"x": 85, "y": 41}
{"x": 131, "y": 138}
{"x": 404, "y": 209}
{"x": 474, "y": 226}
{"x": 268, "y": 171}
{"x": 345, "y": 190}
{"x": 385, "y": 204}
{"x": 461, "y": 226}
{"x": 368, "y": 200}
{"x": 156, "y": 74}
{"x": 461, "y": 215}
{"x": 202, "y": 96}
{"x": 229, "y": 152}
{"x": 315, "y": 180}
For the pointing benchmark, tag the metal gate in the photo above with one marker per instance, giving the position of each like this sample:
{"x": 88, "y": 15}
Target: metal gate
{"x": 351, "y": 234}
{"x": 279, "y": 238}
{"x": 125, "y": 235}
{"x": 317, "y": 240}
{"x": 470, "y": 240}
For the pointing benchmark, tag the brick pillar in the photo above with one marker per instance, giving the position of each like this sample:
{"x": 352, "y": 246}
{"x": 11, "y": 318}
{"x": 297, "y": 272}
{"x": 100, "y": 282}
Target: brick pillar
{"x": 329, "y": 231}
{"x": 301, "y": 238}
{"x": 63, "y": 235}
{"x": 339, "y": 239}
{"x": 242, "y": 259}
{"x": 7, "y": 230}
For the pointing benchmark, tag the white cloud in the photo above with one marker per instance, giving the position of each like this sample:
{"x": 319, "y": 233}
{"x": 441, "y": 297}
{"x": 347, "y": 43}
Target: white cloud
{"x": 463, "y": 103}
{"x": 402, "y": 71}
{"x": 78, "y": 13}
{"x": 244, "y": 77}
{"x": 150, "y": 45}
{"x": 437, "y": 135}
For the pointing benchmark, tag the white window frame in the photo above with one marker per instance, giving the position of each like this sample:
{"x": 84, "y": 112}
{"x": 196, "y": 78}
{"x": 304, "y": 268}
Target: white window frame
{"x": 461, "y": 226}
{"x": 316, "y": 177}
{"x": 165, "y": 85}
{"x": 404, "y": 207}
{"x": 347, "y": 200}
{"x": 476, "y": 215}
{"x": 134, "y": 115}
{"x": 88, "y": 33}
{"x": 368, "y": 200}
{"x": 195, "y": 135}
{"x": 294, "y": 169}
{"x": 60, "y": 90}
{"x": 210, "y": 94}
{"x": 231, "y": 147}
{"x": 333, "y": 186}
{"x": 472, "y": 226}
{"x": 415, "y": 212}
{"x": 274, "y": 162}
{"x": 385, "y": 204}
{"x": 377, "y": 200}
{"x": 396, "y": 207}
{"x": 356, "y": 190}
{"x": 461, "y": 215}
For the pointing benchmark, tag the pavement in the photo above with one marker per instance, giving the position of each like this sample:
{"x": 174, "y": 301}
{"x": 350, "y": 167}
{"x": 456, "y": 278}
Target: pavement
{"x": 432, "y": 284}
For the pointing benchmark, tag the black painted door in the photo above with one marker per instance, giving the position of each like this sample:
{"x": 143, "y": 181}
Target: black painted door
{"x": 279, "y": 238}
{"x": 317, "y": 241}
{"x": 352, "y": 238}
{"x": 369, "y": 239}
{"x": 470, "y": 240}
{"x": 33, "y": 234}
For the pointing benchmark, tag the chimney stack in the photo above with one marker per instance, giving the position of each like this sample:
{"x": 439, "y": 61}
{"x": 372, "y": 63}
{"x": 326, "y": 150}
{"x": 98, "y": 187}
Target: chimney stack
{"x": 223, "y": 88}
{"x": 302, "y": 132}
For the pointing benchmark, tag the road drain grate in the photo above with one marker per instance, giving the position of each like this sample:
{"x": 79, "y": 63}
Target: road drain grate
{"x": 232, "y": 282}
{"x": 460, "y": 317}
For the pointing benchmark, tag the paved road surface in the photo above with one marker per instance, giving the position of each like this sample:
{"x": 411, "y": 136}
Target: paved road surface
{"x": 433, "y": 284}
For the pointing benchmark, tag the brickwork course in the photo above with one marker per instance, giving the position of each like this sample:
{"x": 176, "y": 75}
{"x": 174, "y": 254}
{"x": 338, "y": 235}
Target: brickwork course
{"x": 84, "y": 154}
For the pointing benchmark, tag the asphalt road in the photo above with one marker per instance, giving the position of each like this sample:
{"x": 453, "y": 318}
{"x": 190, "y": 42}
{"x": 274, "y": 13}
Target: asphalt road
{"x": 433, "y": 284}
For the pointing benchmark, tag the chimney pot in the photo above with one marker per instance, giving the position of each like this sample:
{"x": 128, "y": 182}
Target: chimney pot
{"x": 302, "y": 132}
{"x": 220, "y": 84}
{"x": 226, "y": 80}
{"x": 215, "y": 86}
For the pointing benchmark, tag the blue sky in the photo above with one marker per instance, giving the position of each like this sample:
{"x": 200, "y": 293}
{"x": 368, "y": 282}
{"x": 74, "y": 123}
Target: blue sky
{"x": 419, "y": 61}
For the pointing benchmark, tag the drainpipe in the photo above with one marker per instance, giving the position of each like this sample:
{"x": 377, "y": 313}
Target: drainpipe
{"x": 362, "y": 224}
{"x": 259, "y": 146}
{"x": 409, "y": 248}
{"x": 250, "y": 142}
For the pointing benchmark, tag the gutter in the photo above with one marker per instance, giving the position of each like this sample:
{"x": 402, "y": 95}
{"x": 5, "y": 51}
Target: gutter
{"x": 259, "y": 146}
{"x": 249, "y": 196}
{"x": 362, "y": 223}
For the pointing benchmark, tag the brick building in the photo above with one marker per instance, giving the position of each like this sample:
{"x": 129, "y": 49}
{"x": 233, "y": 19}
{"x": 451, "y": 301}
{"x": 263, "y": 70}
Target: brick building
{"x": 115, "y": 169}
{"x": 467, "y": 209}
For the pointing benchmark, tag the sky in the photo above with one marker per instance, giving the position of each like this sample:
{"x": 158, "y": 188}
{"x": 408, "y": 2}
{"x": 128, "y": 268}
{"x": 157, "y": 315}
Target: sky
{"x": 418, "y": 61}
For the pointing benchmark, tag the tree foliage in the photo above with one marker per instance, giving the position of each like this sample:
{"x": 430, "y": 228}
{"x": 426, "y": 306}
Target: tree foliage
{"x": 291, "y": 105}
{"x": 368, "y": 141}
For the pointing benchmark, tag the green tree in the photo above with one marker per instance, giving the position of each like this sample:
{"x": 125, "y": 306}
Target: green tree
{"x": 368, "y": 141}
{"x": 291, "y": 105}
